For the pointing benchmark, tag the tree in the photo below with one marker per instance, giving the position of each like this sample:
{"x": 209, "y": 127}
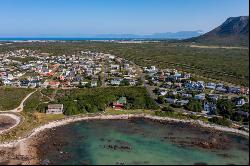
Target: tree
{"x": 194, "y": 105}
{"x": 161, "y": 99}
{"x": 156, "y": 90}
{"x": 88, "y": 85}
{"x": 95, "y": 100}
{"x": 80, "y": 85}
{"x": 1, "y": 82}
{"x": 71, "y": 109}
{"x": 237, "y": 117}
{"x": 245, "y": 107}
{"x": 225, "y": 107}
{"x": 140, "y": 82}
{"x": 124, "y": 83}
{"x": 167, "y": 109}
{"x": 151, "y": 83}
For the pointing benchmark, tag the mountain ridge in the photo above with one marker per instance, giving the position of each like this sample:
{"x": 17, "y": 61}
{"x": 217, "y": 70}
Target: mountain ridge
{"x": 234, "y": 31}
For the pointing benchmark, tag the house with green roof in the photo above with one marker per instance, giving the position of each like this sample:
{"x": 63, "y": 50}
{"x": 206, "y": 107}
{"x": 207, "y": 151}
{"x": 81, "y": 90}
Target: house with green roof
{"x": 120, "y": 103}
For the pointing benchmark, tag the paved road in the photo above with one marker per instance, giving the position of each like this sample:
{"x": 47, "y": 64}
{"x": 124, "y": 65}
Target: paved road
{"x": 148, "y": 87}
{"x": 105, "y": 74}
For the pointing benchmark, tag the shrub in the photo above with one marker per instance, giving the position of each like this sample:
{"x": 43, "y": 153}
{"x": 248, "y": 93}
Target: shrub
{"x": 220, "y": 121}
{"x": 167, "y": 109}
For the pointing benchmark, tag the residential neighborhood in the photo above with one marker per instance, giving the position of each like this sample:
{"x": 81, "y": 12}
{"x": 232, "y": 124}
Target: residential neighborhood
{"x": 128, "y": 82}
{"x": 27, "y": 68}
{"x": 180, "y": 90}
{"x": 85, "y": 69}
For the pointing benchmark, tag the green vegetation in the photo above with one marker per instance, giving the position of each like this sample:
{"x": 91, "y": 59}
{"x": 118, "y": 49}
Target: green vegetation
{"x": 228, "y": 109}
{"x": 179, "y": 115}
{"x": 168, "y": 109}
{"x": 24, "y": 60}
{"x": 98, "y": 99}
{"x": 220, "y": 121}
{"x": 1, "y": 82}
{"x": 10, "y": 98}
{"x": 30, "y": 121}
{"x": 48, "y": 92}
{"x": 194, "y": 105}
{"x": 225, "y": 107}
{"x": 230, "y": 65}
{"x": 35, "y": 103}
{"x": 110, "y": 111}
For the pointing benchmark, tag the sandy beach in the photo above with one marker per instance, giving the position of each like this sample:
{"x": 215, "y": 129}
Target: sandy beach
{"x": 25, "y": 151}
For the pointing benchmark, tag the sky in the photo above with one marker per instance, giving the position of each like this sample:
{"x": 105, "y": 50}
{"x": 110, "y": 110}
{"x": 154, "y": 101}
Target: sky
{"x": 73, "y": 18}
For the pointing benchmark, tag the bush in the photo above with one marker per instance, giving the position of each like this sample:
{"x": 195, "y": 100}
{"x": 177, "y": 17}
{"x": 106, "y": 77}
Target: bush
{"x": 98, "y": 99}
{"x": 225, "y": 107}
{"x": 194, "y": 105}
{"x": 167, "y": 109}
{"x": 220, "y": 121}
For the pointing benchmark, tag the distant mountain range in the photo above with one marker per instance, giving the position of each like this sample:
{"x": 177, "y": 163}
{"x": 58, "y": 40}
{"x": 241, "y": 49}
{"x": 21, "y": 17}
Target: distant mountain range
{"x": 234, "y": 31}
{"x": 167, "y": 35}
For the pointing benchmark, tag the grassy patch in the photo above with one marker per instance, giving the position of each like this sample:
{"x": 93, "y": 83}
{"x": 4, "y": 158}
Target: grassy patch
{"x": 35, "y": 103}
{"x": 110, "y": 111}
{"x": 48, "y": 92}
{"x": 30, "y": 122}
{"x": 10, "y": 98}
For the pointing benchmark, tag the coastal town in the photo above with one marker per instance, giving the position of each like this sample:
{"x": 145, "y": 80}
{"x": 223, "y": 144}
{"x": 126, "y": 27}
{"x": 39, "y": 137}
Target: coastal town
{"x": 85, "y": 69}
{"x": 88, "y": 85}
{"x": 124, "y": 82}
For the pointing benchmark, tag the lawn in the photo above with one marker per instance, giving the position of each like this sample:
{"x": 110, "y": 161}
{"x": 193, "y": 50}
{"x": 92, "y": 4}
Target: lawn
{"x": 111, "y": 111}
{"x": 10, "y": 98}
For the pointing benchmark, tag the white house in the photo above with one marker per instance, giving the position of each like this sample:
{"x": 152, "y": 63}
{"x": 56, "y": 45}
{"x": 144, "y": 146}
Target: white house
{"x": 94, "y": 83}
{"x": 182, "y": 102}
{"x": 163, "y": 93}
{"x": 115, "y": 67}
{"x": 201, "y": 96}
{"x": 211, "y": 86}
{"x": 55, "y": 109}
{"x": 116, "y": 81}
{"x": 240, "y": 102}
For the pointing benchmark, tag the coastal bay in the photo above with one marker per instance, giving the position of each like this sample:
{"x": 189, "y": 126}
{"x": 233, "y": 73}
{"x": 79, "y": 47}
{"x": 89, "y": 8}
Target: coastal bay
{"x": 118, "y": 137}
{"x": 136, "y": 141}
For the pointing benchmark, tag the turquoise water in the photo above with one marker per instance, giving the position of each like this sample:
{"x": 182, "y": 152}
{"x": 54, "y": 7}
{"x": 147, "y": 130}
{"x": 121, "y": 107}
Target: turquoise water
{"x": 141, "y": 142}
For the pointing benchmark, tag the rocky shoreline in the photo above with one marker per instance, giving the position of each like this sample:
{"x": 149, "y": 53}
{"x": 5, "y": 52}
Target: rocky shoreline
{"x": 24, "y": 149}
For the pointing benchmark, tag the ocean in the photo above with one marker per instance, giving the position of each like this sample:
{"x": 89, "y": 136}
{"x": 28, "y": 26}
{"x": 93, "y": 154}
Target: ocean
{"x": 79, "y": 39}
